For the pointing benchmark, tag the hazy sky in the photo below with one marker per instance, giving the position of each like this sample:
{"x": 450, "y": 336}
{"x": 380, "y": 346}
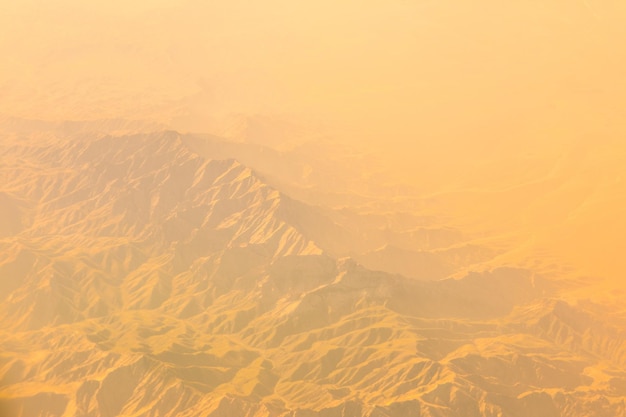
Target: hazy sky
{"x": 403, "y": 70}
{"x": 445, "y": 88}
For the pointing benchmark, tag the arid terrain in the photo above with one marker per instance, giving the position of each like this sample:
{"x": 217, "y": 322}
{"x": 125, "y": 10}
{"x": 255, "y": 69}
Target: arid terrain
{"x": 143, "y": 277}
{"x": 278, "y": 208}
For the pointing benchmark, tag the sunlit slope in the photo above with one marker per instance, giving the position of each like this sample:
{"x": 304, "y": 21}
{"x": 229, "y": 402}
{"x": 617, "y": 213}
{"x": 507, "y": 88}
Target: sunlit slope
{"x": 115, "y": 208}
{"x": 141, "y": 279}
{"x": 343, "y": 341}
{"x": 373, "y": 218}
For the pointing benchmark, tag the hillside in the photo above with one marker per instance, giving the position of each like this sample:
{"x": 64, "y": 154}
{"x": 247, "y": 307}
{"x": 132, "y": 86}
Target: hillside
{"x": 140, "y": 278}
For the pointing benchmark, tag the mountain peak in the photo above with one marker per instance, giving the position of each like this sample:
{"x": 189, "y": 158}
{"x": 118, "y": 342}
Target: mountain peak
{"x": 142, "y": 277}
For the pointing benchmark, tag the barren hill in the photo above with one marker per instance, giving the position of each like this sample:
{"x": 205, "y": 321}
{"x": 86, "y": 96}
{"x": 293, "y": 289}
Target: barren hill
{"x": 141, "y": 278}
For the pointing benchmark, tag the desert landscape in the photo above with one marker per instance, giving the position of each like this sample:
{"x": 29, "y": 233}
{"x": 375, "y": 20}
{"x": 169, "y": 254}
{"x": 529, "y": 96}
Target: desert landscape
{"x": 342, "y": 210}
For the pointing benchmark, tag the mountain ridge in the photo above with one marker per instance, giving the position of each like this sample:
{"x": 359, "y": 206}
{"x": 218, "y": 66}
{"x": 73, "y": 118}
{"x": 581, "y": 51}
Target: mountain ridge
{"x": 146, "y": 280}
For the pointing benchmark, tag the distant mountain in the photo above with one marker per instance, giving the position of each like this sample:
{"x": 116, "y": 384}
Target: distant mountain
{"x": 140, "y": 277}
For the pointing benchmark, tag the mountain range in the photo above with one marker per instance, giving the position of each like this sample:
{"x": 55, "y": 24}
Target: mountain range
{"x": 151, "y": 273}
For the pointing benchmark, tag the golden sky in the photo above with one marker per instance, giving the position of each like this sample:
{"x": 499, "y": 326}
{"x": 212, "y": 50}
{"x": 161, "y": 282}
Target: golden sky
{"x": 400, "y": 68}
{"x": 465, "y": 94}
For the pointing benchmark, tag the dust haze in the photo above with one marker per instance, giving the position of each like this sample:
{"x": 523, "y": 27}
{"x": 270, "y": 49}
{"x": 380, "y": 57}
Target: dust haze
{"x": 353, "y": 208}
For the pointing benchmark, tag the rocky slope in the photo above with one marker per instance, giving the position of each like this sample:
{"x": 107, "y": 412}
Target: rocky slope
{"x": 140, "y": 278}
